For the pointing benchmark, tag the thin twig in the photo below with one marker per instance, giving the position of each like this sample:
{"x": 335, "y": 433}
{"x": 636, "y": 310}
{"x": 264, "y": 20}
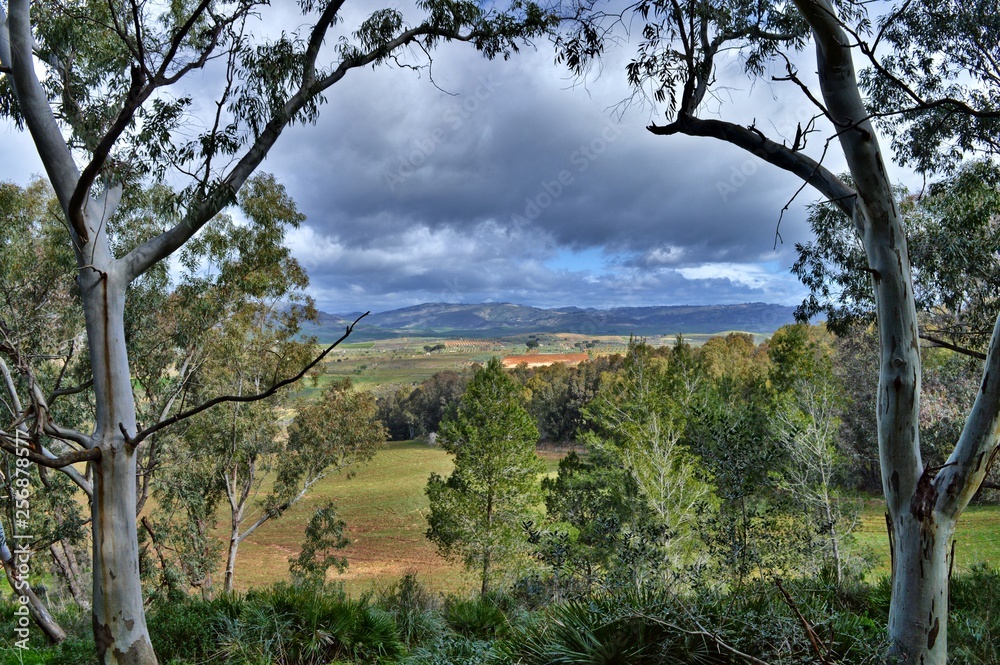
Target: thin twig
{"x": 139, "y": 437}
{"x": 817, "y": 645}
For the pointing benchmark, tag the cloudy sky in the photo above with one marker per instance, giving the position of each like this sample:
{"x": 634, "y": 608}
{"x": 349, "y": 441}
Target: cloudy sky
{"x": 511, "y": 181}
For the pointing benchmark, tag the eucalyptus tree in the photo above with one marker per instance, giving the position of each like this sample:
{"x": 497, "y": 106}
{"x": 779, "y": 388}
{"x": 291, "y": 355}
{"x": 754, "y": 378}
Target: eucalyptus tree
{"x": 107, "y": 92}
{"x": 233, "y": 324}
{"x": 954, "y": 241}
{"x": 929, "y": 59}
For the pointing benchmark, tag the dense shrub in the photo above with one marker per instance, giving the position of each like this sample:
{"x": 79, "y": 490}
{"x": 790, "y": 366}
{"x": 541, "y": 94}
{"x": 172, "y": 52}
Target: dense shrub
{"x": 308, "y": 625}
{"x": 451, "y": 649}
{"x": 709, "y": 628}
{"x": 476, "y": 618}
{"x": 187, "y": 629}
{"x": 287, "y": 625}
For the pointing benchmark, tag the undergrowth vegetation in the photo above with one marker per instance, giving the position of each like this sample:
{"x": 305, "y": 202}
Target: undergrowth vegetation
{"x": 796, "y": 621}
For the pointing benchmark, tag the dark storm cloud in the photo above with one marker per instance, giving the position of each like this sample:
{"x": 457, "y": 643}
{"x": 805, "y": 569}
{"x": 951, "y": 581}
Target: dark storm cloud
{"x": 482, "y": 180}
{"x": 467, "y": 192}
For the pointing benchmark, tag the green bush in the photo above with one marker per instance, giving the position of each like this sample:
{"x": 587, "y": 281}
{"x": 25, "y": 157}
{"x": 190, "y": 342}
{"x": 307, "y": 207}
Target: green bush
{"x": 454, "y": 649}
{"x": 307, "y": 625}
{"x": 186, "y": 630}
{"x": 615, "y": 629}
{"x": 477, "y": 618}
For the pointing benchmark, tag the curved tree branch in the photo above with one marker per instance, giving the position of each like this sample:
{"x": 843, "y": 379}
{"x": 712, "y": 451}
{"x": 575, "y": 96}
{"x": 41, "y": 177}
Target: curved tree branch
{"x": 753, "y": 141}
{"x": 945, "y": 344}
{"x": 138, "y": 438}
{"x": 8, "y": 443}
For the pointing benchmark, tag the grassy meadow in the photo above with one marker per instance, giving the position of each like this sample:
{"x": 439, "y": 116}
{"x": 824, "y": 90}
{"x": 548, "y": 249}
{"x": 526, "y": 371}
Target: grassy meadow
{"x": 384, "y": 504}
{"x": 385, "y": 509}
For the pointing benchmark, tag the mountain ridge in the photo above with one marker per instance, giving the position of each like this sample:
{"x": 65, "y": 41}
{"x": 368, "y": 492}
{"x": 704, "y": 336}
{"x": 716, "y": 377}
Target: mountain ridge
{"x": 505, "y": 319}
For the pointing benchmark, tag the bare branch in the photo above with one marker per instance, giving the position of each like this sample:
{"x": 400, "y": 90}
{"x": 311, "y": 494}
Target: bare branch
{"x": 817, "y": 645}
{"x": 62, "y": 392}
{"x": 944, "y": 344}
{"x": 316, "y": 41}
{"x": 34, "y": 105}
{"x": 753, "y": 141}
{"x": 8, "y": 443}
{"x": 138, "y": 438}
{"x": 157, "y": 248}
{"x": 138, "y": 93}
{"x": 178, "y": 39}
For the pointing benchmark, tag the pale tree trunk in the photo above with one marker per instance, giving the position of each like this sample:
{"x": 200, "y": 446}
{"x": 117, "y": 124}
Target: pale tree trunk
{"x": 119, "y": 619}
{"x": 65, "y": 560}
{"x": 36, "y": 608}
{"x": 236, "y": 518}
{"x": 923, "y": 503}
{"x": 234, "y": 546}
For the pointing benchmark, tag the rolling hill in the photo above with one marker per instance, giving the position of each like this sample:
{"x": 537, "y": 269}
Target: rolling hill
{"x": 502, "y": 319}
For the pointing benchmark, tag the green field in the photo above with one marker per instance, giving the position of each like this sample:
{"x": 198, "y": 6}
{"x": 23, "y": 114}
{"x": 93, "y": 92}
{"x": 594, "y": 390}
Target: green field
{"x": 404, "y": 361}
{"x": 385, "y": 510}
{"x": 385, "y": 507}
{"x": 977, "y": 540}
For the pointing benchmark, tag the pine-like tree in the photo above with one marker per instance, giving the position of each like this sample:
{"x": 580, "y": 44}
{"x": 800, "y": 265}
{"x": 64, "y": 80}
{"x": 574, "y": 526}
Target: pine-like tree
{"x": 477, "y": 513}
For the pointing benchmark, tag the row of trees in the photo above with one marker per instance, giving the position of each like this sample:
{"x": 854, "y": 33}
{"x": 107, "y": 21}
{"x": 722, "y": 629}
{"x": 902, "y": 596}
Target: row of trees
{"x": 702, "y": 466}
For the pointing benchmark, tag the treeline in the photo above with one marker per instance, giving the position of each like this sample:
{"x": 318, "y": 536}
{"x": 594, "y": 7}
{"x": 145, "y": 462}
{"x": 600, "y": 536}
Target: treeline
{"x": 695, "y": 468}
{"x": 556, "y": 395}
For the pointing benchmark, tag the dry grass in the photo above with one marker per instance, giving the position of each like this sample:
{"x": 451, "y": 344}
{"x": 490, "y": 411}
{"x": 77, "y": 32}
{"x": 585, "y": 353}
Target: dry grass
{"x": 385, "y": 509}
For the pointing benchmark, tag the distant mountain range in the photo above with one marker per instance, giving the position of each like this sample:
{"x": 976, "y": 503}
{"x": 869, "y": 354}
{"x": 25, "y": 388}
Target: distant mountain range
{"x": 504, "y": 319}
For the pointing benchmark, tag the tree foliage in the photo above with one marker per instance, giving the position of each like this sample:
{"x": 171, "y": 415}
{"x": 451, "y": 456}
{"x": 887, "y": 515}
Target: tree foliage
{"x": 639, "y": 423}
{"x": 946, "y": 76}
{"x": 118, "y": 97}
{"x": 324, "y": 535}
{"x": 477, "y": 513}
{"x": 954, "y": 240}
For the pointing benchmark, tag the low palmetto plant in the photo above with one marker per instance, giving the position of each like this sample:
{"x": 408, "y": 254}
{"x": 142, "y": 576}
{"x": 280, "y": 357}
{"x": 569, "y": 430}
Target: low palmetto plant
{"x": 308, "y": 625}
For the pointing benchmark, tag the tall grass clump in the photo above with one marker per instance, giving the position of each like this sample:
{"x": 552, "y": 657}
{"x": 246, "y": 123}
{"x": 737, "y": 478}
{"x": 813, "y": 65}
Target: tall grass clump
{"x": 974, "y": 627}
{"x": 416, "y": 610}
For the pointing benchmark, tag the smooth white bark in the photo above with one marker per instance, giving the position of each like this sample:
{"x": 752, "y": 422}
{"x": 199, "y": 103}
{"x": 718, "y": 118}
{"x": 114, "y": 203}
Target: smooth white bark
{"x": 923, "y": 503}
{"x": 119, "y": 619}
